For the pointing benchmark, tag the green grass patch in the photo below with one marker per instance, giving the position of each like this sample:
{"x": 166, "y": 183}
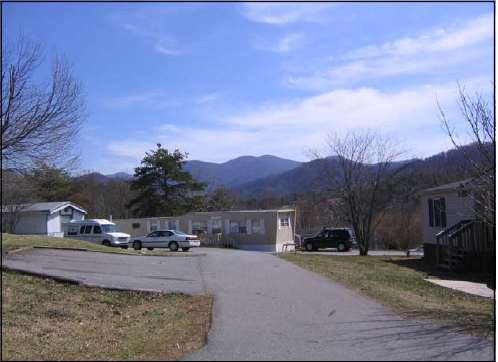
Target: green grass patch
{"x": 398, "y": 284}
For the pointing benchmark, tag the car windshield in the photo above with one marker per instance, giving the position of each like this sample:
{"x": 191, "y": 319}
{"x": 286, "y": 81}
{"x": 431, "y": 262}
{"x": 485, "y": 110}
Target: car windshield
{"x": 110, "y": 228}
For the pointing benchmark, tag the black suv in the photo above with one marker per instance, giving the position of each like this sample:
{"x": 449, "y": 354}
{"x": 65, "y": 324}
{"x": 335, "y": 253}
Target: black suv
{"x": 339, "y": 238}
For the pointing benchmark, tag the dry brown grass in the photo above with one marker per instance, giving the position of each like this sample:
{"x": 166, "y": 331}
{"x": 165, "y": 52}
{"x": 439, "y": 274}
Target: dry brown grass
{"x": 47, "y": 320}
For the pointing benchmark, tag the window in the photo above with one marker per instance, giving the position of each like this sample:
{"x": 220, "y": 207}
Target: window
{"x": 238, "y": 227}
{"x": 88, "y": 229}
{"x": 97, "y": 229}
{"x": 216, "y": 225}
{"x": 256, "y": 226}
{"x": 135, "y": 225}
{"x": 73, "y": 230}
{"x": 199, "y": 226}
{"x": 285, "y": 222}
{"x": 437, "y": 212}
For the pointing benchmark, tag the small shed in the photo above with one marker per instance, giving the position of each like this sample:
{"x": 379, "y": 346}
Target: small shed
{"x": 44, "y": 218}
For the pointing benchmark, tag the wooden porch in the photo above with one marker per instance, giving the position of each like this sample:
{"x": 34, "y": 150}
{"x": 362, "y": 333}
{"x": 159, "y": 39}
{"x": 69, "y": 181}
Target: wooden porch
{"x": 467, "y": 245}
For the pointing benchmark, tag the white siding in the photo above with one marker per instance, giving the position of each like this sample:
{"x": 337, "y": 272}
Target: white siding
{"x": 457, "y": 209}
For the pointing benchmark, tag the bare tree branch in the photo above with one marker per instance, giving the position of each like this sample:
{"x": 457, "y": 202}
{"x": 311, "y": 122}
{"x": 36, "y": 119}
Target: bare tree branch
{"x": 40, "y": 120}
{"x": 481, "y": 132}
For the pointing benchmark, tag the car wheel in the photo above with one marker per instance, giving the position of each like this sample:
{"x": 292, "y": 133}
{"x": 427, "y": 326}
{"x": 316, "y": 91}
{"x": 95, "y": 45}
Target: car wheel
{"x": 106, "y": 243}
{"x": 150, "y": 248}
{"x": 341, "y": 247}
{"x": 137, "y": 245}
{"x": 173, "y": 246}
{"x": 309, "y": 247}
{"x": 185, "y": 249}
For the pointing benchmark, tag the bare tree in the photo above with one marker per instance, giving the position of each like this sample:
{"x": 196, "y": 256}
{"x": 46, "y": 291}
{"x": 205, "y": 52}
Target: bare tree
{"x": 360, "y": 167}
{"x": 16, "y": 193}
{"x": 481, "y": 133}
{"x": 40, "y": 119}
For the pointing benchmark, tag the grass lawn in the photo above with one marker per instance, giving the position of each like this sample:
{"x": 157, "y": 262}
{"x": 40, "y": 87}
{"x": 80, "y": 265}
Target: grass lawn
{"x": 398, "y": 284}
{"x": 43, "y": 319}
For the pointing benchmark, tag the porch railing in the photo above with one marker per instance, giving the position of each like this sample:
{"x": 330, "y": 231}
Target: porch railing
{"x": 216, "y": 241}
{"x": 464, "y": 242}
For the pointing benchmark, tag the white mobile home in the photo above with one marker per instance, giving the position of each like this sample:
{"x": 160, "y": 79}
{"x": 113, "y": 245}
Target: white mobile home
{"x": 453, "y": 228}
{"x": 45, "y": 218}
{"x": 259, "y": 230}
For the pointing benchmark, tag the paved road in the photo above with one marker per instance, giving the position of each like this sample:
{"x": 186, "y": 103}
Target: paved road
{"x": 266, "y": 308}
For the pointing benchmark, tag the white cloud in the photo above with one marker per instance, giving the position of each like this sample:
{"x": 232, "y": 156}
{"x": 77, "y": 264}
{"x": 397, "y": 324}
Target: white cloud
{"x": 149, "y": 22}
{"x": 285, "y": 13}
{"x": 167, "y": 47}
{"x": 471, "y": 33}
{"x": 211, "y": 97}
{"x": 289, "y": 129}
{"x": 285, "y": 44}
{"x": 147, "y": 100}
{"x": 436, "y": 52}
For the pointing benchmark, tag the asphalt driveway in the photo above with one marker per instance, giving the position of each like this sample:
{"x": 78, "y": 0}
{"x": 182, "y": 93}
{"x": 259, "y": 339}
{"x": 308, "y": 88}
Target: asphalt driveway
{"x": 264, "y": 307}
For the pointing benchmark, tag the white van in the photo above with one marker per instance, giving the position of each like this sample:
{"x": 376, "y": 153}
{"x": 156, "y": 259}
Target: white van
{"x": 98, "y": 231}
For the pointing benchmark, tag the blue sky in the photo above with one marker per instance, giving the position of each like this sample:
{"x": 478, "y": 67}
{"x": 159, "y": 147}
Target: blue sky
{"x": 223, "y": 80}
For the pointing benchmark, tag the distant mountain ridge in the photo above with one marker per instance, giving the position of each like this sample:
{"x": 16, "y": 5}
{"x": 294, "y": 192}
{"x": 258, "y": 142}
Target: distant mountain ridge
{"x": 240, "y": 170}
{"x": 231, "y": 173}
{"x": 253, "y": 177}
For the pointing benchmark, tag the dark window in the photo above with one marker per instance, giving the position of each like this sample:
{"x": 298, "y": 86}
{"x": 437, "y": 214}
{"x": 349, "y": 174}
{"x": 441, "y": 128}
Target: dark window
{"x": 88, "y": 229}
{"x": 82, "y": 229}
{"x": 135, "y": 225}
{"x": 97, "y": 229}
{"x": 437, "y": 212}
{"x": 73, "y": 230}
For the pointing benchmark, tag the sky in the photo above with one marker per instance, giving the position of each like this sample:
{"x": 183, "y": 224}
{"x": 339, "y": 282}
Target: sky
{"x": 224, "y": 80}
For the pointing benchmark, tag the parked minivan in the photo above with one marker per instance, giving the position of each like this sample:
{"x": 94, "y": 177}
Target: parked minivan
{"x": 98, "y": 231}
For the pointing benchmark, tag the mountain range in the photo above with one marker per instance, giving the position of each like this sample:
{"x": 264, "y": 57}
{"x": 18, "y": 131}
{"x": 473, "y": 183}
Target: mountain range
{"x": 251, "y": 177}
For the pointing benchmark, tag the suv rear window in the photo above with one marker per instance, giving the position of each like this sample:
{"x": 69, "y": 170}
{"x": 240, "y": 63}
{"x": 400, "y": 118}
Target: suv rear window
{"x": 341, "y": 233}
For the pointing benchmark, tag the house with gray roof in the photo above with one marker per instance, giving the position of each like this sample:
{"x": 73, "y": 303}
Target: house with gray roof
{"x": 458, "y": 226}
{"x": 44, "y": 218}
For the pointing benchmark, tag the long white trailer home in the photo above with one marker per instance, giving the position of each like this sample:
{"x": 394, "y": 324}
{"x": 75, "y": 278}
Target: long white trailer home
{"x": 259, "y": 230}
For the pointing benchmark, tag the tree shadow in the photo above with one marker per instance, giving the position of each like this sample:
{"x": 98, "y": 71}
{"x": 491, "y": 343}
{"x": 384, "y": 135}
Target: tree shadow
{"x": 429, "y": 268}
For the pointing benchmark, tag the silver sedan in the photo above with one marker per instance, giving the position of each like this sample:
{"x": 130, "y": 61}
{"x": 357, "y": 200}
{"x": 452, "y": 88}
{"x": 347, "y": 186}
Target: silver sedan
{"x": 171, "y": 239}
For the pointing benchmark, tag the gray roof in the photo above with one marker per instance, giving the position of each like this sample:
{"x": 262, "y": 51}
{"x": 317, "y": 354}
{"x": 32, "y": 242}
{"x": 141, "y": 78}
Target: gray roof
{"x": 47, "y": 206}
{"x": 483, "y": 181}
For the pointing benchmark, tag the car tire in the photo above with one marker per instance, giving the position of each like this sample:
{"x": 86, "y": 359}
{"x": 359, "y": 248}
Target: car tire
{"x": 137, "y": 245}
{"x": 309, "y": 247}
{"x": 173, "y": 246}
{"x": 150, "y": 248}
{"x": 106, "y": 243}
{"x": 185, "y": 249}
{"x": 341, "y": 247}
